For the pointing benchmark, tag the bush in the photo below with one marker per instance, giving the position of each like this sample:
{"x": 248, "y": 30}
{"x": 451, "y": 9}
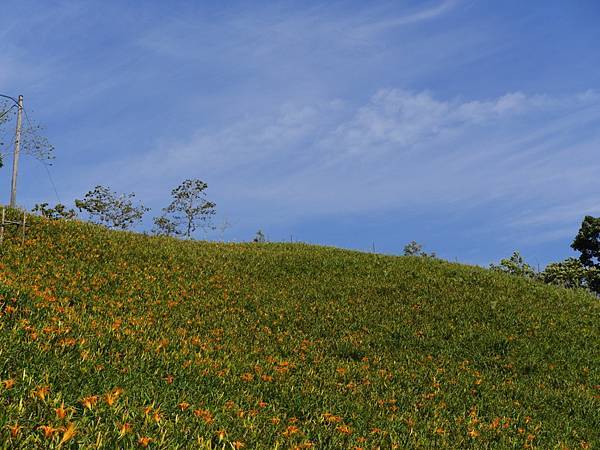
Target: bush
{"x": 515, "y": 265}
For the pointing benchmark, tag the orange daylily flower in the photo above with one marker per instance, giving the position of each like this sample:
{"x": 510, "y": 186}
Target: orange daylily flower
{"x": 48, "y": 430}
{"x": 41, "y": 392}
{"x": 247, "y": 377}
{"x": 61, "y": 412}
{"x": 15, "y": 429}
{"x": 290, "y": 430}
{"x": 125, "y": 428}
{"x": 345, "y": 429}
{"x": 89, "y": 402}
{"x": 112, "y": 397}
{"x": 205, "y": 414}
{"x": 144, "y": 441}
{"x": 183, "y": 406}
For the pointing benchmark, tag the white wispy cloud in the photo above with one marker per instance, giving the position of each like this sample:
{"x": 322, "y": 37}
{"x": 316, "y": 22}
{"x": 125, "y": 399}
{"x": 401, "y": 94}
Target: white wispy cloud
{"x": 294, "y": 111}
{"x": 423, "y": 14}
{"x": 400, "y": 150}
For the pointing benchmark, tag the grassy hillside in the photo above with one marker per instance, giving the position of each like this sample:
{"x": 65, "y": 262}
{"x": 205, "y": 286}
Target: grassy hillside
{"x": 118, "y": 340}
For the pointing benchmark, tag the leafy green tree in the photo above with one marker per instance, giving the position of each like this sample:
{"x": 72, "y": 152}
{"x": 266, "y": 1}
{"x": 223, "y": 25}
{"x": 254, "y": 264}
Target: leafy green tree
{"x": 571, "y": 273}
{"x": 587, "y": 241}
{"x": 413, "y": 248}
{"x": 515, "y": 265}
{"x": 106, "y": 207}
{"x": 59, "y": 211}
{"x": 188, "y": 211}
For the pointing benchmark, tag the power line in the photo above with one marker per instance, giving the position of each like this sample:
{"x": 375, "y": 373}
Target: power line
{"x": 43, "y": 162}
{"x": 31, "y": 128}
{"x": 51, "y": 180}
{"x": 7, "y": 111}
{"x": 27, "y": 118}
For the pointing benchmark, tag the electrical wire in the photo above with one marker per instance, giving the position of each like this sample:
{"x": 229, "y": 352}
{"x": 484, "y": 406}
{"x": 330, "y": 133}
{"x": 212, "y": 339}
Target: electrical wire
{"x": 44, "y": 163}
{"x": 51, "y": 179}
{"x": 31, "y": 129}
{"x": 27, "y": 118}
{"x": 6, "y": 112}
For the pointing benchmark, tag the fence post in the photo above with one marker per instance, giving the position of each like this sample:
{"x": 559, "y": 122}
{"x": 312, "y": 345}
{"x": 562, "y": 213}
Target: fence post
{"x": 23, "y": 239}
{"x": 2, "y": 226}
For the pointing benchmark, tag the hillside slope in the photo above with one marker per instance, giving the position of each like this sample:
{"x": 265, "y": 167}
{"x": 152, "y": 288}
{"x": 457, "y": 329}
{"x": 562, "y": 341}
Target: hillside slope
{"x": 117, "y": 340}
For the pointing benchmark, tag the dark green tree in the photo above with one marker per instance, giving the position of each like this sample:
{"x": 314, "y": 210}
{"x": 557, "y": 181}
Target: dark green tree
{"x": 107, "y": 208}
{"x": 587, "y": 241}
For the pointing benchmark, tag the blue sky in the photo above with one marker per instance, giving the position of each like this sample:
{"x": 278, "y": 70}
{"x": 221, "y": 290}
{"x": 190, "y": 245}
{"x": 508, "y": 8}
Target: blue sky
{"x": 472, "y": 127}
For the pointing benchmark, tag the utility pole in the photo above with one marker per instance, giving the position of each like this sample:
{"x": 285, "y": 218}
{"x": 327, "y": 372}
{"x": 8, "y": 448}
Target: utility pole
{"x": 13, "y": 190}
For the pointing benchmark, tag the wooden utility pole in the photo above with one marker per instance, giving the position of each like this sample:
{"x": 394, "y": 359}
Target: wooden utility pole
{"x": 13, "y": 190}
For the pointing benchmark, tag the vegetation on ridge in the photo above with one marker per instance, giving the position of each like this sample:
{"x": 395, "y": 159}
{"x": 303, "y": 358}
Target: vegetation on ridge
{"x": 118, "y": 340}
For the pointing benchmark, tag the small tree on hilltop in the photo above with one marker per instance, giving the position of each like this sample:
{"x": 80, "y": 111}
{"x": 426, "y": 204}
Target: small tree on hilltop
{"x": 515, "y": 265}
{"x": 413, "y": 248}
{"x": 189, "y": 210}
{"x": 587, "y": 242}
{"x": 59, "y": 211}
{"x": 571, "y": 273}
{"x": 110, "y": 209}
{"x": 260, "y": 237}
{"x": 164, "y": 226}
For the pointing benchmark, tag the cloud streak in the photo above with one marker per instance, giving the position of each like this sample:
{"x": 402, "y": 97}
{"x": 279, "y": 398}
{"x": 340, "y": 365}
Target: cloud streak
{"x": 401, "y": 150}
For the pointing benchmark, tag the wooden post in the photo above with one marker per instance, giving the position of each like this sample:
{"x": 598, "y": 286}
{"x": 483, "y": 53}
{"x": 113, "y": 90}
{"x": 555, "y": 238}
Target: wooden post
{"x": 23, "y": 239}
{"x": 2, "y": 226}
{"x": 13, "y": 185}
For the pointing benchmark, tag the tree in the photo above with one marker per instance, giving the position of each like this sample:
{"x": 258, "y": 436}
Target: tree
{"x": 587, "y": 242}
{"x": 189, "y": 210}
{"x": 59, "y": 211}
{"x": 5, "y": 114}
{"x": 413, "y": 248}
{"x": 260, "y": 237}
{"x": 110, "y": 209}
{"x": 571, "y": 273}
{"x": 164, "y": 226}
{"x": 33, "y": 142}
{"x": 515, "y": 265}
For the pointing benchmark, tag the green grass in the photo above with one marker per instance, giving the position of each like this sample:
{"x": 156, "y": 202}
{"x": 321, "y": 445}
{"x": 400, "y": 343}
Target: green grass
{"x": 283, "y": 345}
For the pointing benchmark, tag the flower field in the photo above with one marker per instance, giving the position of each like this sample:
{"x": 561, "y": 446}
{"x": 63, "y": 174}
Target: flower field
{"x": 120, "y": 340}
